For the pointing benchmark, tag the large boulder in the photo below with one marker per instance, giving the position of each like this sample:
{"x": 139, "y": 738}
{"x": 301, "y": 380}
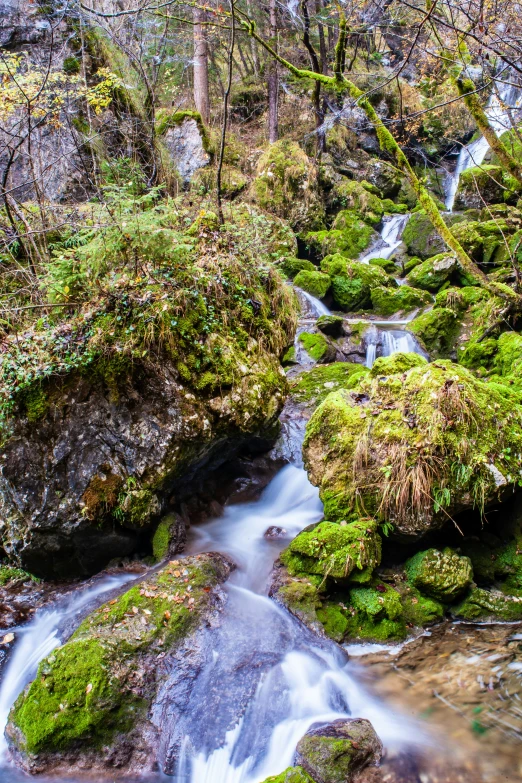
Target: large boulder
{"x": 387, "y": 301}
{"x": 186, "y": 140}
{"x": 352, "y": 282}
{"x": 349, "y": 236}
{"x": 433, "y": 273}
{"x": 102, "y": 688}
{"x": 441, "y": 575}
{"x": 335, "y": 753}
{"x": 315, "y": 282}
{"x": 436, "y": 331}
{"x": 408, "y": 431}
{"x": 110, "y": 411}
{"x": 286, "y": 184}
{"x": 482, "y": 184}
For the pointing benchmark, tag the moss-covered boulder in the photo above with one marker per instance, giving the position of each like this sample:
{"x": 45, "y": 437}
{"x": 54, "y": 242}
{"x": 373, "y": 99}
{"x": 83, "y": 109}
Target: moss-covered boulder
{"x": 291, "y": 266}
{"x": 441, "y": 575}
{"x": 334, "y": 550}
{"x": 84, "y": 394}
{"x": 481, "y": 605}
{"x": 350, "y": 235}
{"x": 431, "y": 274}
{"x": 351, "y": 195}
{"x": 352, "y": 282}
{"x": 404, "y": 299}
{"x": 436, "y": 331}
{"x": 420, "y": 238}
{"x": 316, "y": 283}
{"x": 388, "y": 264}
{"x": 98, "y": 688}
{"x": 396, "y": 363}
{"x": 316, "y": 384}
{"x": 318, "y": 347}
{"x": 485, "y": 183}
{"x": 286, "y": 185}
{"x": 335, "y": 753}
{"x": 412, "y": 448}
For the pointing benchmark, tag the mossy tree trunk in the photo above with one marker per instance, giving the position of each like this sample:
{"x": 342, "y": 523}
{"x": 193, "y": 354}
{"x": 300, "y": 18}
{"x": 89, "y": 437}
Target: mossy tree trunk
{"x": 340, "y": 83}
{"x": 468, "y": 92}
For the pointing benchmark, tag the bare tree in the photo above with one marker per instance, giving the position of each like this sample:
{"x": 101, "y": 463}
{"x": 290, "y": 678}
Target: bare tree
{"x": 273, "y": 79}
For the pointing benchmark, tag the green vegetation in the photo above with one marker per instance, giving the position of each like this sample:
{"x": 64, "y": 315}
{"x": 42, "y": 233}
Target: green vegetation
{"x": 316, "y": 283}
{"x": 316, "y": 346}
{"x": 441, "y": 575}
{"x": 353, "y": 282}
{"x": 316, "y": 384}
{"x": 291, "y": 775}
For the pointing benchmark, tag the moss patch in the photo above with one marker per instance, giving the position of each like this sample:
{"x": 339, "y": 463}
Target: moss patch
{"x": 353, "y": 282}
{"x": 316, "y": 283}
{"x": 316, "y": 384}
{"x": 387, "y": 301}
{"x": 440, "y": 575}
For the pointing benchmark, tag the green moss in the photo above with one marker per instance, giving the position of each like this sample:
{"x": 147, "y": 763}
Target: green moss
{"x": 71, "y": 65}
{"x": 481, "y": 605}
{"x": 375, "y": 614}
{"x": 431, "y": 274}
{"x": 286, "y": 185}
{"x": 166, "y": 120}
{"x": 291, "y": 266}
{"x": 387, "y": 301}
{"x": 316, "y": 283}
{"x": 436, "y": 330}
{"x": 389, "y": 266}
{"x": 434, "y": 426}
{"x": 291, "y": 775}
{"x": 138, "y": 507}
{"x": 11, "y": 574}
{"x": 419, "y": 610}
{"x": 353, "y": 196}
{"x": 36, "y": 403}
{"x": 352, "y": 282}
{"x": 84, "y": 691}
{"x": 316, "y": 345}
{"x": 397, "y": 363}
{"x": 440, "y": 575}
{"x": 163, "y": 536}
{"x": 289, "y": 357}
{"x": 420, "y": 237}
{"x": 333, "y": 550}
{"x": 314, "y": 385}
{"x": 349, "y": 236}
{"x": 333, "y": 619}
{"x": 301, "y": 597}
{"x": 330, "y": 324}
{"x": 485, "y": 183}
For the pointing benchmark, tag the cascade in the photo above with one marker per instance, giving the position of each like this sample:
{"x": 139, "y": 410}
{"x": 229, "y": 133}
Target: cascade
{"x": 391, "y": 235}
{"x": 474, "y": 153}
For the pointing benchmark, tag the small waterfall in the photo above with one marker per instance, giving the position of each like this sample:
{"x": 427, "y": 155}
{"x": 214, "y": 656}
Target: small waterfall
{"x": 391, "y": 234}
{"x": 386, "y": 342}
{"x": 313, "y": 308}
{"x": 473, "y": 154}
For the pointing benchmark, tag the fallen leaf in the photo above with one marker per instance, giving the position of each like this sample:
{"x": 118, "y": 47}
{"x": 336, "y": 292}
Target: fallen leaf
{"x": 167, "y": 615}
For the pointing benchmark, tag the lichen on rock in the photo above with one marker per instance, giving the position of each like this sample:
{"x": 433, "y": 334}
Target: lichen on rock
{"x": 440, "y": 575}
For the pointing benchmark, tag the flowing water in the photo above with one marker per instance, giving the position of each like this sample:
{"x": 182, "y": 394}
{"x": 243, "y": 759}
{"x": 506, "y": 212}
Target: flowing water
{"x": 391, "y": 238}
{"x": 473, "y": 154}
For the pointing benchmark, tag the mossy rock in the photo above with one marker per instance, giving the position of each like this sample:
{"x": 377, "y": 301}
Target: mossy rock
{"x": 84, "y": 693}
{"x": 389, "y": 266}
{"x": 333, "y": 550}
{"x": 314, "y": 385}
{"x": 440, "y": 575}
{"x": 419, "y": 610}
{"x": 411, "y": 263}
{"x": 9, "y": 574}
{"x": 387, "y": 301}
{"x": 396, "y": 363}
{"x": 350, "y": 235}
{"x": 352, "y": 282}
{"x": 485, "y": 183}
{"x": 331, "y": 325}
{"x": 353, "y": 196}
{"x": 335, "y": 753}
{"x": 481, "y": 605}
{"x": 436, "y": 330}
{"x": 316, "y": 283}
{"x": 233, "y": 181}
{"x": 286, "y": 185}
{"x": 431, "y": 274}
{"x": 291, "y": 266}
{"x": 421, "y": 238}
{"x": 317, "y": 347}
{"x": 291, "y": 775}
{"x": 448, "y": 439}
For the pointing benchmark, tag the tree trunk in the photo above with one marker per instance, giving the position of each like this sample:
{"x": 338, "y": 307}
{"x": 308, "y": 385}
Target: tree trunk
{"x": 273, "y": 80}
{"x": 201, "y": 97}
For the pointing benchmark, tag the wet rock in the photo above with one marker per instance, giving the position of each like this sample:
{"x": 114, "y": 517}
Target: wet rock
{"x": 431, "y": 274}
{"x": 441, "y": 575}
{"x": 479, "y": 184}
{"x": 388, "y": 301}
{"x": 314, "y": 385}
{"x": 331, "y": 325}
{"x": 316, "y": 283}
{"x": 274, "y": 532}
{"x": 482, "y": 605}
{"x": 336, "y": 752}
{"x": 318, "y": 347}
{"x": 101, "y": 686}
{"x": 291, "y": 775}
{"x": 349, "y": 236}
{"x": 436, "y": 331}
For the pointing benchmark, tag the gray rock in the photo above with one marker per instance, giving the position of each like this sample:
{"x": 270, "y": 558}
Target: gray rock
{"x": 336, "y": 752}
{"x": 185, "y": 145}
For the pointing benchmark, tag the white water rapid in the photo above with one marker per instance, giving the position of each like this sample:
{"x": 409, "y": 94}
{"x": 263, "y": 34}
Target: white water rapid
{"x": 473, "y": 154}
{"x": 391, "y": 237}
